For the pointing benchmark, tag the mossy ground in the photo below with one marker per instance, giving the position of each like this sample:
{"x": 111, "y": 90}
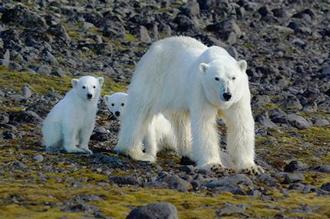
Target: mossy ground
{"x": 35, "y": 191}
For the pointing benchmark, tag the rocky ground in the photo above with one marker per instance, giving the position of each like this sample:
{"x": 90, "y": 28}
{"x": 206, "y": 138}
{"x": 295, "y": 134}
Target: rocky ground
{"x": 44, "y": 43}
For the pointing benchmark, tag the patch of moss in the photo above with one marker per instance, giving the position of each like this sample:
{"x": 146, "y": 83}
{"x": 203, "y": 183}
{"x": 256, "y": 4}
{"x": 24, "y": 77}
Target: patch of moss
{"x": 42, "y": 84}
{"x": 130, "y": 37}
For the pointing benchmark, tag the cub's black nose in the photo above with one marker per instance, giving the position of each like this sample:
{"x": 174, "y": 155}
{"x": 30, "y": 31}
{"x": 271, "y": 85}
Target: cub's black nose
{"x": 117, "y": 113}
{"x": 227, "y": 96}
{"x": 89, "y": 96}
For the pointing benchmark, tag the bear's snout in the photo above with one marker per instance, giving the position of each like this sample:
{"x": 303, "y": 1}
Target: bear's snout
{"x": 89, "y": 96}
{"x": 117, "y": 113}
{"x": 226, "y": 96}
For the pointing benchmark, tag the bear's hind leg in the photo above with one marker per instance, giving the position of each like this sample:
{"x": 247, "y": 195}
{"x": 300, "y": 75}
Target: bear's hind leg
{"x": 133, "y": 128}
{"x": 181, "y": 128}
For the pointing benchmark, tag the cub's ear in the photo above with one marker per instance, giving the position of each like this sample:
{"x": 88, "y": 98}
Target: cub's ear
{"x": 74, "y": 82}
{"x": 242, "y": 65}
{"x": 203, "y": 67}
{"x": 101, "y": 80}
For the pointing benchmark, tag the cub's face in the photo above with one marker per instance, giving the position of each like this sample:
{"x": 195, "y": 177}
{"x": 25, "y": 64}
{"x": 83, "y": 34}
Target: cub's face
{"x": 116, "y": 103}
{"x": 88, "y": 88}
{"x": 224, "y": 83}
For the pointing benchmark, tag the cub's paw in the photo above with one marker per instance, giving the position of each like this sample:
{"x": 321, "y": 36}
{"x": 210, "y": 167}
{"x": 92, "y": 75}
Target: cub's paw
{"x": 87, "y": 151}
{"x": 253, "y": 170}
{"x": 146, "y": 158}
{"x": 74, "y": 150}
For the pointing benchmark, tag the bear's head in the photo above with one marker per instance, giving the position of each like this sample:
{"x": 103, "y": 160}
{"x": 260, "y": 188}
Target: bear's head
{"x": 88, "y": 88}
{"x": 224, "y": 81}
{"x": 116, "y": 103}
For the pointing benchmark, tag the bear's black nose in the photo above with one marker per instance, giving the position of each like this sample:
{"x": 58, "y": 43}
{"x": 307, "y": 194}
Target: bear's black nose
{"x": 227, "y": 96}
{"x": 89, "y": 96}
{"x": 117, "y": 113}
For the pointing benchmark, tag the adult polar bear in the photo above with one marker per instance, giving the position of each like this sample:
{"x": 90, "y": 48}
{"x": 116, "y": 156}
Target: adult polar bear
{"x": 189, "y": 82}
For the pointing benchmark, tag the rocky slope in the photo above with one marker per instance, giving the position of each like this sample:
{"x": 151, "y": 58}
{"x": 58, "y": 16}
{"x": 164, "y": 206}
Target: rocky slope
{"x": 44, "y": 43}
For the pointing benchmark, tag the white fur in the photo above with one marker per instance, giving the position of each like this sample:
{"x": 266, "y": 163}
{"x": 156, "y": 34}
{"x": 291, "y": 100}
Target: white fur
{"x": 177, "y": 77}
{"x": 159, "y": 134}
{"x": 70, "y": 123}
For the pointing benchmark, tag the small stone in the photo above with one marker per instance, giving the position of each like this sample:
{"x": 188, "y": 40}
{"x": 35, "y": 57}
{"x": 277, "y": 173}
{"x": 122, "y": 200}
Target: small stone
{"x": 44, "y": 69}
{"x": 294, "y": 166}
{"x": 298, "y": 121}
{"x": 264, "y": 11}
{"x": 144, "y": 35}
{"x": 38, "y": 158}
{"x": 325, "y": 187}
{"x": 323, "y": 168}
{"x": 26, "y": 90}
{"x": 230, "y": 209}
{"x": 293, "y": 178}
{"x": 160, "y": 210}
{"x": 321, "y": 122}
{"x": 175, "y": 182}
{"x": 4, "y": 118}
{"x": 124, "y": 180}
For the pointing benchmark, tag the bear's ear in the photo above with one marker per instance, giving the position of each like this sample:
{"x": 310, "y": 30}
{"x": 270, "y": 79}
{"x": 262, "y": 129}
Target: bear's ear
{"x": 74, "y": 82}
{"x": 203, "y": 67}
{"x": 101, "y": 80}
{"x": 242, "y": 65}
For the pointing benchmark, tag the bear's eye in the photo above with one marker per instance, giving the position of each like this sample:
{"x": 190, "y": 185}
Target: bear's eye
{"x": 122, "y": 104}
{"x": 112, "y": 104}
{"x": 233, "y": 78}
{"x": 216, "y": 78}
{"x": 83, "y": 87}
{"x": 94, "y": 86}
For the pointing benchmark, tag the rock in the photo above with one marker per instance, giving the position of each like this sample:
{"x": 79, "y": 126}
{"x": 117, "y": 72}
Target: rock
{"x": 184, "y": 23}
{"x": 187, "y": 169}
{"x": 233, "y": 180}
{"x": 8, "y": 134}
{"x": 124, "y": 180}
{"x": 60, "y": 33}
{"x": 323, "y": 168}
{"x": 100, "y": 134}
{"x": 38, "y": 158}
{"x": 265, "y": 121}
{"x": 26, "y": 90}
{"x": 321, "y": 122}
{"x": 191, "y": 9}
{"x": 175, "y": 182}
{"x": 325, "y": 187}
{"x": 278, "y": 116}
{"x": 25, "y": 116}
{"x": 230, "y": 31}
{"x": 144, "y": 35}
{"x": 6, "y": 59}
{"x": 264, "y": 11}
{"x": 20, "y": 15}
{"x": 44, "y": 69}
{"x": 325, "y": 71}
{"x": 279, "y": 12}
{"x": 4, "y": 118}
{"x": 298, "y": 121}
{"x": 57, "y": 71}
{"x": 293, "y": 178}
{"x": 267, "y": 179}
{"x": 160, "y": 210}
{"x": 295, "y": 165}
{"x": 230, "y": 209}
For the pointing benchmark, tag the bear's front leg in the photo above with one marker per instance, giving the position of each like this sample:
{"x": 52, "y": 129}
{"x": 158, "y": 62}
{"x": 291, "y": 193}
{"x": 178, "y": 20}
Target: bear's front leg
{"x": 240, "y": 136}
{"x": 84, "y": 137}
{"x": 70, "y": 141}
{"x": 150, "y": 142}
{"x": 205, "y": 138}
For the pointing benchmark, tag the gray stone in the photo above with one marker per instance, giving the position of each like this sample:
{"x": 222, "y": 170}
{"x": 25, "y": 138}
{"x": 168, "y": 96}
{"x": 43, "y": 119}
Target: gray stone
{"x": 26, "y": 90}
{"x": 38, "y": 158}
{"x": 160, "y": 210}
{"x": 144, "y": 35}
{"x": 298, "y": 121}
{"x": 124, "y": 180}
{"x": 230, "y": 209}
{"x": 293, "y": 178}
{"x": 295, "y": 165}
{"x": 44, "y": 69}
{"x": 323, "y": 168}
{"x": 229, "y": 180}
{"x": 325, "y": 187}
{"x": 175, "y": 182}
{"x": 321, "y": 122}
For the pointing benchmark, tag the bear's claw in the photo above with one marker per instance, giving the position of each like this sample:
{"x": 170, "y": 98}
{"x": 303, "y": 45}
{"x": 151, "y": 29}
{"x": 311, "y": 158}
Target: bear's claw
{"x": 253, "y": 170}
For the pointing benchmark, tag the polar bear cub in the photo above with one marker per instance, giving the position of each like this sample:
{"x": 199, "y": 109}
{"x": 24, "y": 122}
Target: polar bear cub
{"x": 70, "y": 123}
{"x": 190, "y": 82}
{"x": 159, "y": 134}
